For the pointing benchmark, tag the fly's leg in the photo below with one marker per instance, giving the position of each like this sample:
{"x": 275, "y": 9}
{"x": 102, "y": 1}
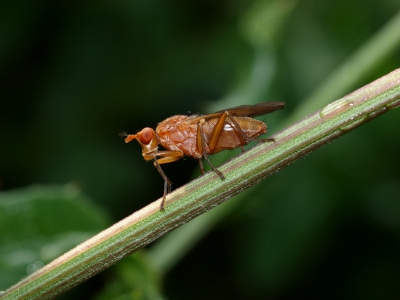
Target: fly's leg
{"x": 201, "y": 166}
{"x": 212, "y": 166}
{"x": 164, "y": 157}
{"x": 245, "y": 138}
{"x": 226, "y": 118}
{"x": 167, "y": 183}
{"x": 201, "y": 144}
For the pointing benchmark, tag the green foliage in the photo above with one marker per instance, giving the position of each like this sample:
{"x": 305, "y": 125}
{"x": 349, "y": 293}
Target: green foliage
{"x": 134, "y": 279}
{"x": 39, "y": 223}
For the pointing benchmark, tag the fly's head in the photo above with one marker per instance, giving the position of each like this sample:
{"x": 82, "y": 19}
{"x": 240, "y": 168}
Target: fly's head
{"x": 147, "y": 139}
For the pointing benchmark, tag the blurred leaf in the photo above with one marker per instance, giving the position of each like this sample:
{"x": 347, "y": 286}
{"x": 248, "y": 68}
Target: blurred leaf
{"x": 287, "y": 230}
{"x": 134, "y": 279}
{"x": 39, "y": 223}
{"x": 264, "y": 20}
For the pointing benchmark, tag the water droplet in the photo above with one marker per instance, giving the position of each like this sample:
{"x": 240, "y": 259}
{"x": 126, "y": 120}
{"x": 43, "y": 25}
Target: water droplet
{"x": 377, "y": 112}
{"x": 335, "y": 108}
{"x": 34, "y": 267}
{"x": 356, "y": 120}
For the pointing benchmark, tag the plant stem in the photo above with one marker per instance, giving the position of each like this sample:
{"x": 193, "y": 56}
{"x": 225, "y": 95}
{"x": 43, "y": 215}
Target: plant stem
{"x": 166, "y": 252}
{"x": 206, "y": 192}
{"x": 345, "y": 77}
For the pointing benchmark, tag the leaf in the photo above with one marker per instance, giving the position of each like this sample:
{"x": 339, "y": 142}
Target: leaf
{"x": 39, "y": 223}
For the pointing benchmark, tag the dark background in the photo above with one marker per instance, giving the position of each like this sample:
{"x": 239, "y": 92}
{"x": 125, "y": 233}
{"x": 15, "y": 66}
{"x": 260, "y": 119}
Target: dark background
{"x": 73, "y": 75}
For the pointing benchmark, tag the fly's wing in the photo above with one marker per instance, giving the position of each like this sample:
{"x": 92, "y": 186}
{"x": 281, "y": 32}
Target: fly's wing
{"x": 243, "y": 111}
{"x": 254, "y": 110}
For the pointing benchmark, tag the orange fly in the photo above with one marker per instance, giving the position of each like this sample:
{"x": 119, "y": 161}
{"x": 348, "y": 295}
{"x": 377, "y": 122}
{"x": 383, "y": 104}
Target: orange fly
{"x": 199, "y": 136}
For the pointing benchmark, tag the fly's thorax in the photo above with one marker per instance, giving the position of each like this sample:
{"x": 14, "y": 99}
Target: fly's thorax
{"x": 178, "y": 133}
{"x": 169, "y": 127}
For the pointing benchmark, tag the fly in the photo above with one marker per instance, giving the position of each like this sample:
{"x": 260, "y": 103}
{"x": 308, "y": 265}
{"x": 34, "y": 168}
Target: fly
{"x": 199, "y": 136}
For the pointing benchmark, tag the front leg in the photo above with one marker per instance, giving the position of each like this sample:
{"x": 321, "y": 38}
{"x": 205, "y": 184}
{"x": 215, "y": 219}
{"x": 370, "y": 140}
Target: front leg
{"x": 164, "y": 157}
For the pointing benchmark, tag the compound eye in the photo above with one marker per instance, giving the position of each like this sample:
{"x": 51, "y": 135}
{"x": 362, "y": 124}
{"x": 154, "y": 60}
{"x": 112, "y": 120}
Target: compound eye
{"x": 146, "y": 135}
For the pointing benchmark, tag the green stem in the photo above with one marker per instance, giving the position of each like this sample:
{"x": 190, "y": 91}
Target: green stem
{"x": 353, "y": 70}
{"x": 345, "y": 77}
{"x": 204, "y": 193}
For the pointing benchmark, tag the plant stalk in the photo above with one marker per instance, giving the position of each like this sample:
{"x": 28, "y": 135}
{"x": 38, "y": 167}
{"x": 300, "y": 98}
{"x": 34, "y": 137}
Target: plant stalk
{"x": 148, "y": 224}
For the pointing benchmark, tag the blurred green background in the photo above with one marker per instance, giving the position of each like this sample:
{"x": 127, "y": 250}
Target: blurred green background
{"x": 73, "y": 75}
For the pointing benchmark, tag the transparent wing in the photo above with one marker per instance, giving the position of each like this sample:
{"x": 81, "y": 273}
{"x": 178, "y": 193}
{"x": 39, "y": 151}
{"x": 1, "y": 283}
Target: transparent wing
{"x": 243, "y": 111}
